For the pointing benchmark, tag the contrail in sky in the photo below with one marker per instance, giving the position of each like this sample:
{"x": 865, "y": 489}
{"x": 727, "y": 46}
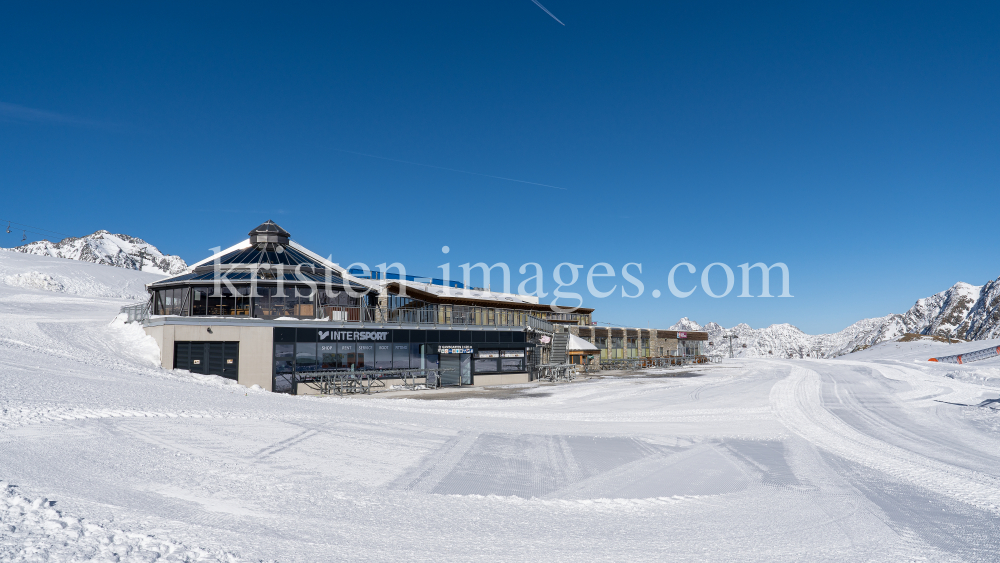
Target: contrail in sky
{"x": 22, "y": 113}
{"x": 449, "y": 169}
{"x": 539, "y": 4}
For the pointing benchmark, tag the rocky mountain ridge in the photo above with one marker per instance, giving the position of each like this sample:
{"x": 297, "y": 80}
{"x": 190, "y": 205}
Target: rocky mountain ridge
{"x": 965, "y": 311}
{"x": 103, "y": 247}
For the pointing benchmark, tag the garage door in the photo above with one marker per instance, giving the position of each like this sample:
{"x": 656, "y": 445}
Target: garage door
{"x": 217, "y": 358}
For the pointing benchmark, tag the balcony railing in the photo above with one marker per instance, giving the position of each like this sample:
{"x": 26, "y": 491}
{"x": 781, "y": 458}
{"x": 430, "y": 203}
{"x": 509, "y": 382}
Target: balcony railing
{"x": 446, "y": 315}
{"x": 567, "y": 317}
{"x": 426, "y": 315}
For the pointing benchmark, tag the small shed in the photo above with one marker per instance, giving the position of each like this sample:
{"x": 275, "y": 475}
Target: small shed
{"x": 578, "y": 350}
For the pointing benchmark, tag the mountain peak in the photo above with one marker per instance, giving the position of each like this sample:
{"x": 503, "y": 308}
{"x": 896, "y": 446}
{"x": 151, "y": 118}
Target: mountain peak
{"x": 104, "y": 247}
{"x": 964, "y": 310}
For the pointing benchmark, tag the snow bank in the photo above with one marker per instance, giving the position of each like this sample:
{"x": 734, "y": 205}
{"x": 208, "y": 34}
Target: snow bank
{"x": 32, "y": 530}
{"x": 84, "y": 279}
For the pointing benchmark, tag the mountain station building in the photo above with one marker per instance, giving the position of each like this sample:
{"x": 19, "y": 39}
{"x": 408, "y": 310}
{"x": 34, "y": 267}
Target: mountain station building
{"x": 269, "y": 312}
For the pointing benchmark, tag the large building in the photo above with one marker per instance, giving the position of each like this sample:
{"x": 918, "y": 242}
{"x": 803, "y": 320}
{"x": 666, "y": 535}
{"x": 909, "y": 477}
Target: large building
{"x": 272, "y": 313}
{"x": 269, "y": 312}
{"x": 620, "y": 343}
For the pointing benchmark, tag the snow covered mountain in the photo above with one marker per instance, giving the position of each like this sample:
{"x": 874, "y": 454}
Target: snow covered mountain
{"x": 967, "y": 311}
{"x": 109, "y": 249}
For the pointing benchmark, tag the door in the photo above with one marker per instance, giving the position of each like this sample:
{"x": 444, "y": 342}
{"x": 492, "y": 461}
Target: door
{"x": 217, "y": 358}
{"x": 465, "y": 367}
{"x": 451, "y": 369}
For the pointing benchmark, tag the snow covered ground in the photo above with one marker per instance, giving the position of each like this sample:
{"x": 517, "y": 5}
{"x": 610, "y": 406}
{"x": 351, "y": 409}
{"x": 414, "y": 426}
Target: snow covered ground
{"x": 106, "y": 457}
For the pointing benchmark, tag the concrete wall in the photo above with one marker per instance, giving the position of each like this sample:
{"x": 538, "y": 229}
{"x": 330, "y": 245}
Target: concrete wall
{"x": 256, "y": 347}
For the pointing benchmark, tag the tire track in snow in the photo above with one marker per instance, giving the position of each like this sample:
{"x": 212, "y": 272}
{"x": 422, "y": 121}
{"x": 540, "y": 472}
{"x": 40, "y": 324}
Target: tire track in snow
{"x": 15, "y": 416}
{"x": 797, "y": 404}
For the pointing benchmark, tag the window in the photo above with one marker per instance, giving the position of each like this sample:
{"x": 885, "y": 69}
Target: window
{"x": 284, "y": 355}
{"x": 617, "y": 351}
{"x": 486, "y": 361}
{"x": 415, "y": 353}
{"x": 400, "y": 356}
{"x": 305, "y": 357}
{"x": 366, "y": 356}
{"x": 328, "y": 356}
{"x": 199, "y": 301}
{"x": 383, "y": 356}
{"x": 431, "y": 361}
{"x": 486, "y": 365}
{"x": 346, "y": 356}
{"x": 512, "y": 364}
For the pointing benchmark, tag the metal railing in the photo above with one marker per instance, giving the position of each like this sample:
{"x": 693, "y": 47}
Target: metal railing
{"x": 428, "y": 314}
{"x": 643, "y": 363}
{"x": 362, "y": 382}
{"x": 567, "y": 317}
{"x": 436, "y": 315}
{"x": 135, "y": 313}
{"x": 556, "y": 372}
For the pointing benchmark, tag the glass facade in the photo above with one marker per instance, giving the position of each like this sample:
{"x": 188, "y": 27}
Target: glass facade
{"x": 691, "y": 347}
{"x": 633, "y": 346}
{"x": 300, "y": 352}
{"x": 305, "y": 357}
{"x": 291, "y": 302}
{"x": 617, "y": 351}
{"x": 602, "y": 343}
{"x": 383, "y": 356}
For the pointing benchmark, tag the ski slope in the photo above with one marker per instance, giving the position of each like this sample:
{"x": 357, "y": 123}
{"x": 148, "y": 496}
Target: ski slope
{"x": 104, "y": 456}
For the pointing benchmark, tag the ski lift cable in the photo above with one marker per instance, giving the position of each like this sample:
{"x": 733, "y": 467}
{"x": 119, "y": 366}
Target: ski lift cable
{"x": 32, "y": 229}
{"x": 40, "y": 235}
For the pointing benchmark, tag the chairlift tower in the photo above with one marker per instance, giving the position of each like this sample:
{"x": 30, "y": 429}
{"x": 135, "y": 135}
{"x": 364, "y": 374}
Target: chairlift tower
{"x": 731, "y": 337}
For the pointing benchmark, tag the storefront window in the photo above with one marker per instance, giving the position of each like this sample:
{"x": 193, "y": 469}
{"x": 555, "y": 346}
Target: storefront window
{"x": 400, "y": 356}
{"x": 328, "y": 356}
{"x": 512, "y": 360}
{"x": 383, "y": 356}
{"x": 346, "y": 357}
{"x": 284, "y": 357}
{"x": 305, "y": 357}
{"x": 415, "y": 350}
{"x": 690, "y": 347}
{"x": 431, "y": 361}
{"x": 366, "y": 356}
{"x": 487, "y": 361}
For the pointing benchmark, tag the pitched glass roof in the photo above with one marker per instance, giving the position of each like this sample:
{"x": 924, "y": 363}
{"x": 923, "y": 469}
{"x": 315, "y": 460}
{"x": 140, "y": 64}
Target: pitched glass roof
{"x": 253, "y": 255}
{"x": 318, "y": 276}
{"x": 263, "y": 257}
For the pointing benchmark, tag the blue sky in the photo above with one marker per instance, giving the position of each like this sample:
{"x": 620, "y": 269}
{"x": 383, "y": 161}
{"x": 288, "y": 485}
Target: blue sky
{"x": 855, "y": 142}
